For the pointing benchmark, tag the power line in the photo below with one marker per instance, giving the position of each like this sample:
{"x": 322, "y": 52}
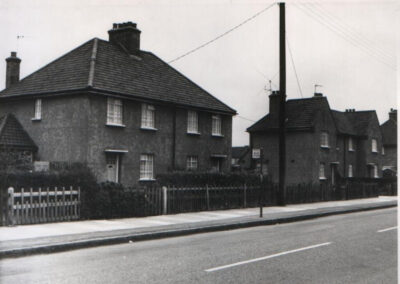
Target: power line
{"x": 244, "y": 118}
{"x": 311, "y": 14}
{"x": 222, "y": 35}
{"x": 294, "y": 67}
{"x": 354, "y": 33}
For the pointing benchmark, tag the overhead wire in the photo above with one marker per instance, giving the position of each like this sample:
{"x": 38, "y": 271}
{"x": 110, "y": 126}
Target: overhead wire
{"x": 321, "y": 20}
{"x": 294, "y": 67}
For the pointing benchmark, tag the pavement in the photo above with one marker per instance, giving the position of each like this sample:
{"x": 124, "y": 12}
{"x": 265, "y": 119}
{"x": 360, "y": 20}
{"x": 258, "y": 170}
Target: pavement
{"x": 24, "y": 240}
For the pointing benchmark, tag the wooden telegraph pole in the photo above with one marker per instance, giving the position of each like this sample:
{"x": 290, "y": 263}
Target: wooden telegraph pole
{"x": 282, "y": 93}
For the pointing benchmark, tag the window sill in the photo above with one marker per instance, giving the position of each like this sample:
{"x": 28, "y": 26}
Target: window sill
{"x": 147, "y": 179}
{"x": 193, "y": 133}
{"x": 148, "y": 128}
{"x": 325, "y": 147}
{"x": 116, "y": 125}
{"x": 217, "y": 135}
{"x": 36, "y": 119}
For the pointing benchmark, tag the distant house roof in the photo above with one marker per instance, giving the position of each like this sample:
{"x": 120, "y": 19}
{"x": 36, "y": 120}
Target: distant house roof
{"x": 13, "y": 135}
{"x": 103, "y": 67}
{"x": 301, "y": 115}
{"x": 389, "y": 132}
{"x": 239, "y": 152}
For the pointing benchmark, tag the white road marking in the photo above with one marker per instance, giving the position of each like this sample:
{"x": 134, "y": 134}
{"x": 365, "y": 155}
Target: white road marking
{"x": 387, "y": 229}
{"x": 265, "y": 257}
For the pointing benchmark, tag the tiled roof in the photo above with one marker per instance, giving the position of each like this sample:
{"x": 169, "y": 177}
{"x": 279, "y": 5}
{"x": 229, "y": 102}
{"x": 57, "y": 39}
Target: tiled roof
{"x": 13, "y": 135}
{"x": 300, "y": 114}
{"x": 105, "y": 67}
{"x": 389, "y": 132}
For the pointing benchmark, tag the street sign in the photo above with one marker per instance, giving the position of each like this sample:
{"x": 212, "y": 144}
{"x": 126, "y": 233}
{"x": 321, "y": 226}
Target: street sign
{"x": 256, "y": 154}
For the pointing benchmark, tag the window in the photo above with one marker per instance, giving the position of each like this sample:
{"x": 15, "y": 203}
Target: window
{"x": 114, "y": 111}
{"x": 375, "y": 171}
{"x": 191, "y": 163}
{"x": 146, "y": 167}
{"x": 322, "y": 171}
{"x": 192, "y": 122}
{"x": 351, "y": 144}
{"x": 38, "y": 109}
{"x": 350, "y": 173}
{"x": 216, "y": 125}
{"x": 324, "y": 139}
{"x": 148, "y": 116}
{"x": 374, "y": 146}
{"x": 383, "y": 150}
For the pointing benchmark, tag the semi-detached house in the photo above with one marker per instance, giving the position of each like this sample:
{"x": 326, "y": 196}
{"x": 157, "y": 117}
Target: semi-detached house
{"x": 122, "y": 111}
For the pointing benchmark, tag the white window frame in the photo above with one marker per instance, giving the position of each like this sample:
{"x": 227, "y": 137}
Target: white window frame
{"x": 192, "y": 163}
{"x": 114, "y": 112}
{"x": 38, "y": 110}
{"x": 216, "y": 125}
{"x": 350, "y": 171}
{"x": 351, "y": 144}
{"x": 375, "y": 167}
{"x": 383, "y": 150}
{"x": 193, "y": 122}
{"x": 374, "y": 146}
{"x": 146, "y": 167}
{"x": 148, "y": 117}
{"x": 322, "y": 175}
{"x": 324, "y": 139}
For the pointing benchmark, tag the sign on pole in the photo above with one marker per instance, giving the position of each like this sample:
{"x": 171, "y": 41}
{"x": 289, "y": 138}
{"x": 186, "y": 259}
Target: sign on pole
{"x": 256, "y": 154}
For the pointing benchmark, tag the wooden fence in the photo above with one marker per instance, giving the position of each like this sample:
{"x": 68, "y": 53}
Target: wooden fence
{"x": 41, "y": 205}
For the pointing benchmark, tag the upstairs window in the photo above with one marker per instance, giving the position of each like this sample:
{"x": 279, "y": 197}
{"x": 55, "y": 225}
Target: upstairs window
{"x": 192, "y": 122}
{"x": 374, "y": 145}
{"x": 350, "y": 173}
{"x": 191, "y": 163}
{"x": 216, "y": 125}
{"x": 322, "y": 171}
{"x": 324, "y": 139}
{"x": 146, "y": 167}
{"x": 351, "y": 144}
{"x": 148, "y": 116}
{"x": 38, "y": 109}
{"x": 114, "y": 111}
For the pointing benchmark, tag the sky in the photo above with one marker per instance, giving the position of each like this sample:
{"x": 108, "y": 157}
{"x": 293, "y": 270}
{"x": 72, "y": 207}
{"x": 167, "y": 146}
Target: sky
{"x": 348, "y": 47}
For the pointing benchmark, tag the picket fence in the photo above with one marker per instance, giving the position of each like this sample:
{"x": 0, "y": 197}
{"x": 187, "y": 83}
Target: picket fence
{"x": 42, "y": 205}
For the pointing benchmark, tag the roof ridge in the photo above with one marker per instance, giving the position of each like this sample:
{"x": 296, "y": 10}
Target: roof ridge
{"x": 92, "y": 63}
{"x": 48, "y": 64}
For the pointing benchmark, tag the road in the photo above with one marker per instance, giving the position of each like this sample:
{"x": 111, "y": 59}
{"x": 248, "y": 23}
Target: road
{"x": 350, "y": 248}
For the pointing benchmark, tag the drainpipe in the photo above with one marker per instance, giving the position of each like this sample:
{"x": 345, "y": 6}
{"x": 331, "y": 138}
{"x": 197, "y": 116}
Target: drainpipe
{"x": 174, "y": 138}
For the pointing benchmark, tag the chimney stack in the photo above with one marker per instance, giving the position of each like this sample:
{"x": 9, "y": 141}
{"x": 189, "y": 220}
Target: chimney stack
{"x": 393, "y": 114}
{"x": 274, "y": 102}
{"x": 12, "y": 71}
{"x": 127, "y": 36}
{"x": 318, "y": 95}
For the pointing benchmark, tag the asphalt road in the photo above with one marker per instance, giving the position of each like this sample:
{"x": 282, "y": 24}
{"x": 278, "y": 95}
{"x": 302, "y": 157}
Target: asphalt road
{"x": 351, "y": 248}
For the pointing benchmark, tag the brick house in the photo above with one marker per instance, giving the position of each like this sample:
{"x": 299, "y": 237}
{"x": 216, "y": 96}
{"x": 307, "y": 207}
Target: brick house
{"x": 322, "y": 145}
{"x": 389, "y": 134}
{"x": 123, "y": 111}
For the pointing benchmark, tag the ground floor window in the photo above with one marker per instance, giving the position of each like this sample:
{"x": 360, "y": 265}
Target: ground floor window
{"x": 373, "y": 171}
{"x": 322, "y": 171}
{"x": 191, "y": 163}
{"x": 216, "y": 165}
{"x": 350, "y": 174}
{"x": 146, "y": 166}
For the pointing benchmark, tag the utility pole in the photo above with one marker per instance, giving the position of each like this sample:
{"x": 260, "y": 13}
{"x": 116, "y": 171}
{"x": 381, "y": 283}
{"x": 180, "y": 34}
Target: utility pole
{"x": 282, "y": 93}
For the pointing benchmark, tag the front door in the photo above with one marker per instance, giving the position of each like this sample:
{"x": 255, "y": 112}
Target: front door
{"x": 112, "y": 167}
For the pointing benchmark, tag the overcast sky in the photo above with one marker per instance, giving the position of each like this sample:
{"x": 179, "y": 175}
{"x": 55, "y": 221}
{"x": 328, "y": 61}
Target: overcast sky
{"x": 348, "y": 47}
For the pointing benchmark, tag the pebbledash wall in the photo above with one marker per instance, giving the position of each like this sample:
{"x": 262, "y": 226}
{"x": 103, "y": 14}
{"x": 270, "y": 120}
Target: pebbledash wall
{"x": 74, "y": 129}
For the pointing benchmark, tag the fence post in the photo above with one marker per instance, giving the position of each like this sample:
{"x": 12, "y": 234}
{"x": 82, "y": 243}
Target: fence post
{"x": 10, "y": 213}
{"x": 245, "y": 196}
{"x": 207, "y": 197}
{"x": 165, "y": 200}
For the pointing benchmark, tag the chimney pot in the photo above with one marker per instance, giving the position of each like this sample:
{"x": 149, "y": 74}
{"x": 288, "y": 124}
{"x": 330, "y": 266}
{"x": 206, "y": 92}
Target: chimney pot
{"x": 319, "y": 95}
{"x": 393, "y": 114}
